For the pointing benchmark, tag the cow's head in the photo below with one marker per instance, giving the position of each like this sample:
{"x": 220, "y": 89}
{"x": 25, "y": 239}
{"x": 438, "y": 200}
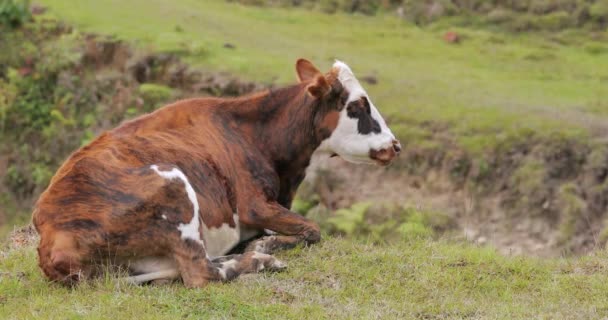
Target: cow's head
{"x": 349, "y": 123}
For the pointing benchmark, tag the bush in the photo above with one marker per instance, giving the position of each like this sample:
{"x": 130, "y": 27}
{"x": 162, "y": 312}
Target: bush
{"x": 555, "y": 21}
{"x": 154, "y": 95}
{"x": 598, "y": 12}
{"x": 13, "y": 13}
{"x": 513, "y": 15}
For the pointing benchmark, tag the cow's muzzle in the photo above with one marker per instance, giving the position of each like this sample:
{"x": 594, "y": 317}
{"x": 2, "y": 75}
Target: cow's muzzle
{"x": 384, "y": 157}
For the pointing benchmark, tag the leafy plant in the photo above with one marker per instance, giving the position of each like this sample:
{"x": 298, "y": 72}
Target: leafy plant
{"x": 13, "y": 13}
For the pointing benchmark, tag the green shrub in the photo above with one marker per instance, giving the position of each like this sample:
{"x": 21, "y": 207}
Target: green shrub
{"x": 555, "y": 21}
{"x": 349, "y": 221}
{"x": 500, "y": 15}
{"x": 599, "y": 11}
{"x": 596, "y": 48}
{"x": 13, "y": 13}
{"x": 514, "y": 15}
{"x": 154, "y": 94}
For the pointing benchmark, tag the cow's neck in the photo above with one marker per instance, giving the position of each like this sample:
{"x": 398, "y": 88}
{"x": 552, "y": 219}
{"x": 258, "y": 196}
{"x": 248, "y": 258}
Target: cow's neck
{"x": 281, "y": 125}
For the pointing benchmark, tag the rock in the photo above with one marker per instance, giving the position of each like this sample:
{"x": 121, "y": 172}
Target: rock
{"x": 37, "y": 9}
{"x": 451, "y": 37}
{"x": 370, "y": 79}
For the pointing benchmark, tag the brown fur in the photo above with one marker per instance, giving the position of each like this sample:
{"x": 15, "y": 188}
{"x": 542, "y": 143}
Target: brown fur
{"x": 245, "y": 155}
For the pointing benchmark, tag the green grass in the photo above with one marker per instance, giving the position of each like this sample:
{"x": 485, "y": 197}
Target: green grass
{"x": 337, "y": 279}
{"x": 490, "y": 90}
{"x": 491, "y": 82}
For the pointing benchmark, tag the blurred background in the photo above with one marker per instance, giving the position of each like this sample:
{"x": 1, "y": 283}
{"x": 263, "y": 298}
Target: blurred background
{"x": 501, "y": 106}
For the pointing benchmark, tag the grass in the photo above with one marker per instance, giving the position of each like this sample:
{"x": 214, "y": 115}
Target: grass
{"x": 489, "y": 90}
{"x": 491, "y": 82}
{"x": 337, "y": 279}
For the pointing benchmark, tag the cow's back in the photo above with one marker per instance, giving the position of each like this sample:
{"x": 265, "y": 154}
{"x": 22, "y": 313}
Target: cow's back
{"x": 106, "y": 191}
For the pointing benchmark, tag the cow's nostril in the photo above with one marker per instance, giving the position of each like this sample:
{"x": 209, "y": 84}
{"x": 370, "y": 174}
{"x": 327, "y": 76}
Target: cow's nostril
{"x": 396, "y": 146}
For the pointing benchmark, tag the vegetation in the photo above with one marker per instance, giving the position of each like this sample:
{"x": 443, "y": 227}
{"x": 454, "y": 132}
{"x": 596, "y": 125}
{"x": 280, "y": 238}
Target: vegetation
{"x": 517, "y": 15}
{"x": 494, "y": 112}
{"x": 337, "y": 279}
{"x": 60, "y": 88}
{"x": 511, "y": 122}
{"x": 14, "y": 13}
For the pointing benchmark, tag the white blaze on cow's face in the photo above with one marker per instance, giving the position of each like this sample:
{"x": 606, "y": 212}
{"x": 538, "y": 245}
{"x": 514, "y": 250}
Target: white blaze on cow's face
{"x": 361, "y": 135}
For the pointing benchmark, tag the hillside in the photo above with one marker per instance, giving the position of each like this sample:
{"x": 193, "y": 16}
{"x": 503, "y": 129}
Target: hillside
{"x": 496, "y": 209}
{"x": 503, "y": 132}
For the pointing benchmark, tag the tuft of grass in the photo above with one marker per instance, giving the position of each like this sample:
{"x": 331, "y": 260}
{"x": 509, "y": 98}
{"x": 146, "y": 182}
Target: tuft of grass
{"x": 337, "y": 279}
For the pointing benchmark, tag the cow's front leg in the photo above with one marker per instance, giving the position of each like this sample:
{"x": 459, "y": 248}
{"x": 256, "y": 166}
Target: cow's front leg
{"x": 292, "y": 227}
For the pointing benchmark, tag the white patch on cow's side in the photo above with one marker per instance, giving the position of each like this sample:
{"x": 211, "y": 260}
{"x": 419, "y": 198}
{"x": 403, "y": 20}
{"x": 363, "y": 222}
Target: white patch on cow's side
{"x": 164, "y": 217}
{"x": 218, "y": 241}
{"x": 346, "y": 140}
{"x": 152, "y": 268}
{"x": 189, "y": 230}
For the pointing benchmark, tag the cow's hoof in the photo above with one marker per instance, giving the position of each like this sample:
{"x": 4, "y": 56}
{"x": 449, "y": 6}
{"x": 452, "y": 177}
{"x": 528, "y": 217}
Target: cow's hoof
{"x": 265, "y": 245}
{"x": 269, "y": 263}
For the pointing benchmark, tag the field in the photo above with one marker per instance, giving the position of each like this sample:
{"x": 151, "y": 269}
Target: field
{"x": 487, "y": 83}
{"x": 505, "y": 161}
{"x": 338, "y": 279}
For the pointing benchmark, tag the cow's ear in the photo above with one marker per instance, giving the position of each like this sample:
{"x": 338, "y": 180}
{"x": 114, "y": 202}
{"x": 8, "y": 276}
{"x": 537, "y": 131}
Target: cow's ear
{"x": 306, "y": 70}
{"x": 319, "y": 87}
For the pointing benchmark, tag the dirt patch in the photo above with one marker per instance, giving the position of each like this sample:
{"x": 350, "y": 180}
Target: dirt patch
{"x": 22, "y": 238}
{"x": 544, "y": 198}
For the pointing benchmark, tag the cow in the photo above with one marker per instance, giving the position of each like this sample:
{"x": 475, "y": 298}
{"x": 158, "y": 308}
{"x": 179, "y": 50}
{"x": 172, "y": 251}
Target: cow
{"x": 169, "y": 194}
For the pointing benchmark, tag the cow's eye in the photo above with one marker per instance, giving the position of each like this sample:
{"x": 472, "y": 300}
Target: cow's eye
{"x": 368, "y": 109}
{"x": 343, "y": 99}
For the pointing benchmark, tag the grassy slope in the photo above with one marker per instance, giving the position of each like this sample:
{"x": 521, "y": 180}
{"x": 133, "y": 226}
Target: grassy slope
{"x": 337, "y": 279}
{"x": 491, "y": 82}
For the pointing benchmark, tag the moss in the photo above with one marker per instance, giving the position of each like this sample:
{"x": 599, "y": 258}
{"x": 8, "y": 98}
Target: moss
{"x": 154, "y": 94}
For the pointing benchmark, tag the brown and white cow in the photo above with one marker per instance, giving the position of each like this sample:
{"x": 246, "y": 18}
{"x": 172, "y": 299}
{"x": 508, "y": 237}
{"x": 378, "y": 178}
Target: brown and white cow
{"x": 168, "y": 194}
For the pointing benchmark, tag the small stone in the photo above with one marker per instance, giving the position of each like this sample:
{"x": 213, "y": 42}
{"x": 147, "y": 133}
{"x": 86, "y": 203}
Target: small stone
{"x": 451, "y": 37}
{"x": 37, "y": 9}
{"x": 370, "y": 79}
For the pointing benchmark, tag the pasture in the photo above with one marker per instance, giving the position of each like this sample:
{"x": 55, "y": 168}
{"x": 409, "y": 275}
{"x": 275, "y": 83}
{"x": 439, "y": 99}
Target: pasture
{"x": 496, "y": 209}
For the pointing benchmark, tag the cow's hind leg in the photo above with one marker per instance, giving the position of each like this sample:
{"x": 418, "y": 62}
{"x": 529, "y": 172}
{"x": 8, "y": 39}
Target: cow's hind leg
{"x": 250, "y": 262}
{"x": 273, "y": 243}
{"x": 197, "y": 270}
